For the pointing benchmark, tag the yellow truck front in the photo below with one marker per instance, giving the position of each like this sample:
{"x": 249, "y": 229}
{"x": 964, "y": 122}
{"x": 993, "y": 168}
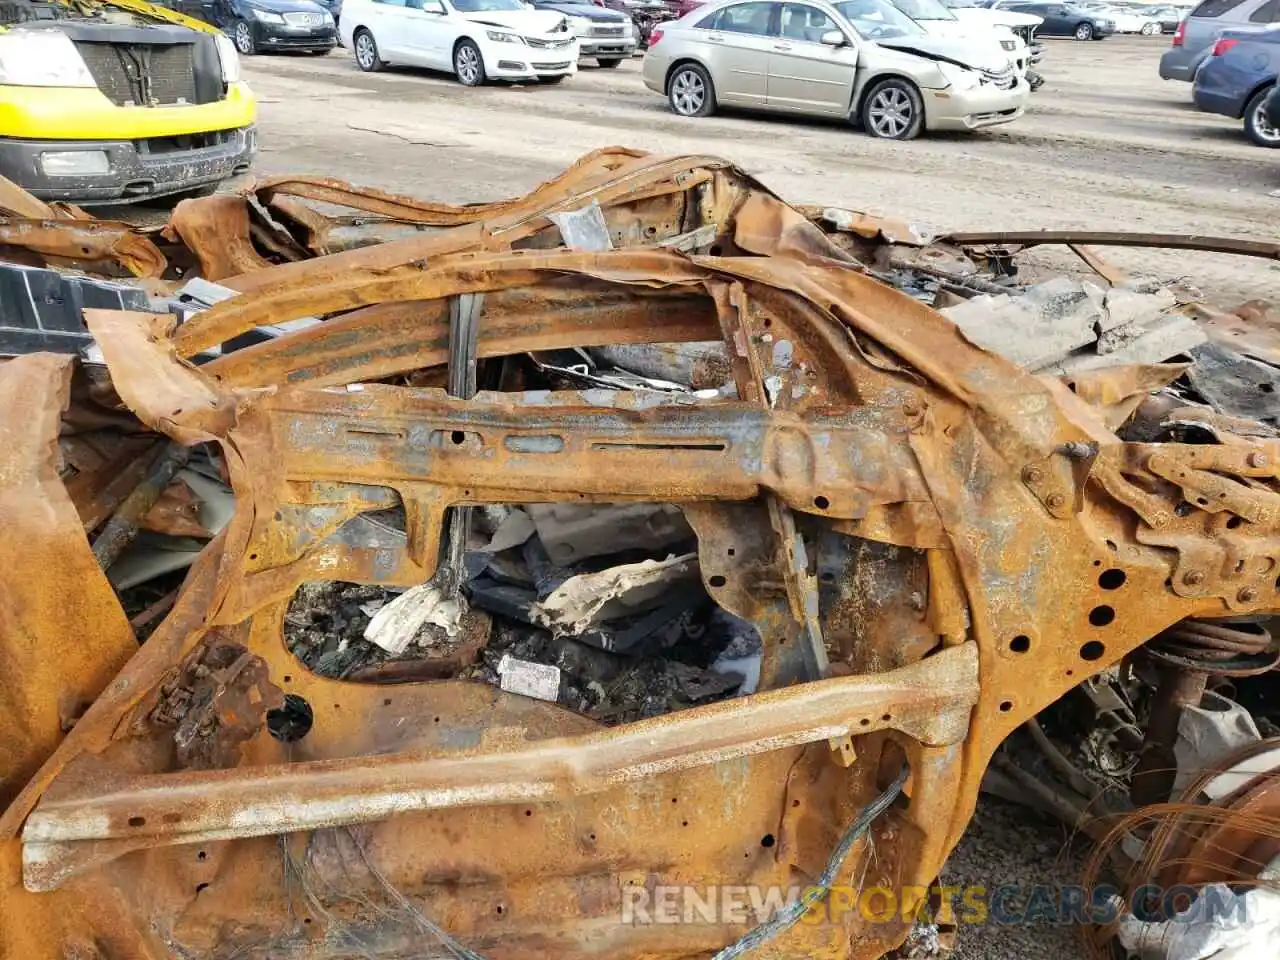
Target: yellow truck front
{"x": 111, "y": 102}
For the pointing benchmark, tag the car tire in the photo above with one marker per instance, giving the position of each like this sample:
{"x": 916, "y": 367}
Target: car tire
{"x": 893, "y": 110}
{"x": 366, "y": 50}
{"x": 242, "y": 38}
{"x": 1149, "y": 29}
{"x": 1084, "y": 31}
{"x": 468, "y": 64}
{"x": 1256, "y": 127}
{"x": 610, "y": 63}
{"x": 691, "y": 92}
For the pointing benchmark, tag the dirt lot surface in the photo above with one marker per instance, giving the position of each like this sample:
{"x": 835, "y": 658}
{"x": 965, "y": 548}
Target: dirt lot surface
{"x": 1106, "y": 144}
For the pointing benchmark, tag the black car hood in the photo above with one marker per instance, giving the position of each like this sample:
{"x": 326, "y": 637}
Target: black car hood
{"x": 588, "y": 11}
{"x": 287, "y": 6}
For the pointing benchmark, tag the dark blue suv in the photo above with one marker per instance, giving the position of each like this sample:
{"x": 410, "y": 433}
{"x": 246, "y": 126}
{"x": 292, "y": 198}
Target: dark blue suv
{"x": 1237, "y": 77}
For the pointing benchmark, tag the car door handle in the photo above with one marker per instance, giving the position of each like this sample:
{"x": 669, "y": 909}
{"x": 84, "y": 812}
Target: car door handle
{"x": 715, "y": 39}
{"x": 782, "y": 46}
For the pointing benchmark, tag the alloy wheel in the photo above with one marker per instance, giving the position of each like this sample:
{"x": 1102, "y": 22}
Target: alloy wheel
{"x": 244, "y": 38}
{"x": 1263, "y": 127}
{"x": 1084, "y": 32}
{"x": 466, "y": 64}
{"x": 890, "y": 113}
{"x": 365, "y": 54}
{"x": 688, "y": 93}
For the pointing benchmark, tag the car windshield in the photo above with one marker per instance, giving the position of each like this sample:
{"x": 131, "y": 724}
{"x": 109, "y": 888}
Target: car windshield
{"x": 878, "y": 19}
{"x": 924, "y": 9}
{"x": 485, "y": 6}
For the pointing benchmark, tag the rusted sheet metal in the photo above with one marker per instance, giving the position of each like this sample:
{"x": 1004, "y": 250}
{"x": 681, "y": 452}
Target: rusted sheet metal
{"x": 63, "y": 636}
{"x": 16, "y": 202}
{"x": 217, "y": 230}
{"x": 86, "y": 241}
{"x": 988, "y": 543}
{"x": 414, "y": 210}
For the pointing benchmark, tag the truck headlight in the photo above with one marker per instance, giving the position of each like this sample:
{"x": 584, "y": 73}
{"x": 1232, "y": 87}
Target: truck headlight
{"x": 75, "y": 163}
{"x": 501, "y": 36}
{"x": 266, "y": 16}
{"x": 228, "y": 57}
{"x": 41, "y": 58}
{"x": 961, "y": 78}
{"x": 579, "y": 25}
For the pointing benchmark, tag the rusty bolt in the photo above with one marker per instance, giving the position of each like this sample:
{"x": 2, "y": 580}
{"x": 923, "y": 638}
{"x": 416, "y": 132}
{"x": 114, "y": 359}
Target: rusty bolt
{"x": 1257, "y": 459}
{"x": 1032, "y": 475}
{"x": 1247, "y": 595}
{"x": 1193, "y": 578}
{"x": 1055, "y": 501}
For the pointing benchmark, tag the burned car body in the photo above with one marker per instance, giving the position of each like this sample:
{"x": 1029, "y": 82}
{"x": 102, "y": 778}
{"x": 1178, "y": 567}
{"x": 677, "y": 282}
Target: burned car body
{"x": 931, "y": 543}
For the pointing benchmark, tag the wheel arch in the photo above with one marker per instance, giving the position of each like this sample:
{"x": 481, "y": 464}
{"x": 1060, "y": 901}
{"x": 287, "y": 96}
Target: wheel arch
{"x": 1257, "y": 88}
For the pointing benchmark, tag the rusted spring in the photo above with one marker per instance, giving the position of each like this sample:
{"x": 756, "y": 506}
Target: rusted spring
{"x": 1237, "y": 648}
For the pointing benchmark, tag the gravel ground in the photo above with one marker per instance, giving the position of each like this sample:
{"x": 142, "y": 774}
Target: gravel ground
{"x": 1105, "y": 145}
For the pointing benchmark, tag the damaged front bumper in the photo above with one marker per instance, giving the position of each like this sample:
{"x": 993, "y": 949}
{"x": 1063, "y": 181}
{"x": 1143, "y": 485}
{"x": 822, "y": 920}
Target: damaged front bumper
{"x": 102, "y": 171}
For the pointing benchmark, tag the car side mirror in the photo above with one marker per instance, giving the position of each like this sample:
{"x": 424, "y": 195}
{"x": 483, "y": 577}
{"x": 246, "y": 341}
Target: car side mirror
{"x": 833, "y": 38}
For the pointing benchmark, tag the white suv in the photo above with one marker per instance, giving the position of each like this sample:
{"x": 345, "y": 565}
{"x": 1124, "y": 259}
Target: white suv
{"x": 476, "y": 40}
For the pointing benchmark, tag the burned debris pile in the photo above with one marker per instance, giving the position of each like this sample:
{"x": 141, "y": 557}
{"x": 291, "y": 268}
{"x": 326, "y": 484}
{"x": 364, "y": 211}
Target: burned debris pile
{"x": 484, "y": 563}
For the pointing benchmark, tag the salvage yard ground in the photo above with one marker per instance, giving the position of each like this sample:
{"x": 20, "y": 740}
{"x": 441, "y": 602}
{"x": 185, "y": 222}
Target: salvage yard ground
{"x": 1105, "y": 145}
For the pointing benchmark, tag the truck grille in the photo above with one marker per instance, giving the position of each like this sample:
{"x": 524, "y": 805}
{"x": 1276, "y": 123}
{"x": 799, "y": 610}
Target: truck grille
{"x": 304, "y": 19}
{"x": 142, "y": 74}
{"x": 547, "y": 44}
{"x": 606, "y": 31}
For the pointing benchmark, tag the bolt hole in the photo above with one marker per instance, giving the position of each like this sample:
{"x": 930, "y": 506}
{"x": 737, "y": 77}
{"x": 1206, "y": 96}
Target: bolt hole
{"x": 137, "y": 821}
{"x": 1202, "y": 501}
{"x": 500, "y": 908}
{"x": 288, "y": 679}
{"x": 202, "y": 856}
{"x": 386, "y": 702}
{"x": 684, "y": 823}
{"x": 767, "y": 840}
{"x": 887, "y": 717}
{"x": 458, "y": 437}
{"x": 821, "y": 503}
{"x": 732, "y": 552}
{"x": 864, "y": 722}
{"x": 716, "y": 581}
{"x": 253, "y": 556}
{"x": 1101, "y": 616}
{"x": 1093, "y": 650}
{"x": 1097, "y": 563}
{"x": 1020, "y": 644}
{"x": 795, "y": 803}
{"x": 675, "y": 799}
{"x": 1071, "y": 673}
{"x": 1266, "y": 387}
{"x": 435, "y": 719}
{"x": 1112, "y": 579}
{"x": 528, "y": 813}
{"x": 1234, "y": 522}
{"x": 1006, "y": 706}
{"x": 768, "y": 322}
{"x": 291, "y": 722}
{"x": 591, "y": 837}
{"x": 306, "y": 919}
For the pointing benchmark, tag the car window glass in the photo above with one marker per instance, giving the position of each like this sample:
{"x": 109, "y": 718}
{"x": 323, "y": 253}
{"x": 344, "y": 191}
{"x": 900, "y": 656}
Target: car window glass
{"x": 1215, "y": 8}
{"x": 751, "y": 18}
{"x": 1267, "y": 13}
{"x": 486, "y": 6}
{"x": 391, "y": 3}
{"x": 803, "y": 22}
{"x": 878, "y": 19}
{"x": 924, "y": 9}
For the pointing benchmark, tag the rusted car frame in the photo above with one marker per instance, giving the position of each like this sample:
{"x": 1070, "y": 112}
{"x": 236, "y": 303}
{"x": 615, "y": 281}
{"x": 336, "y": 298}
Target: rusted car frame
{"x": 1047, "y": 549}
